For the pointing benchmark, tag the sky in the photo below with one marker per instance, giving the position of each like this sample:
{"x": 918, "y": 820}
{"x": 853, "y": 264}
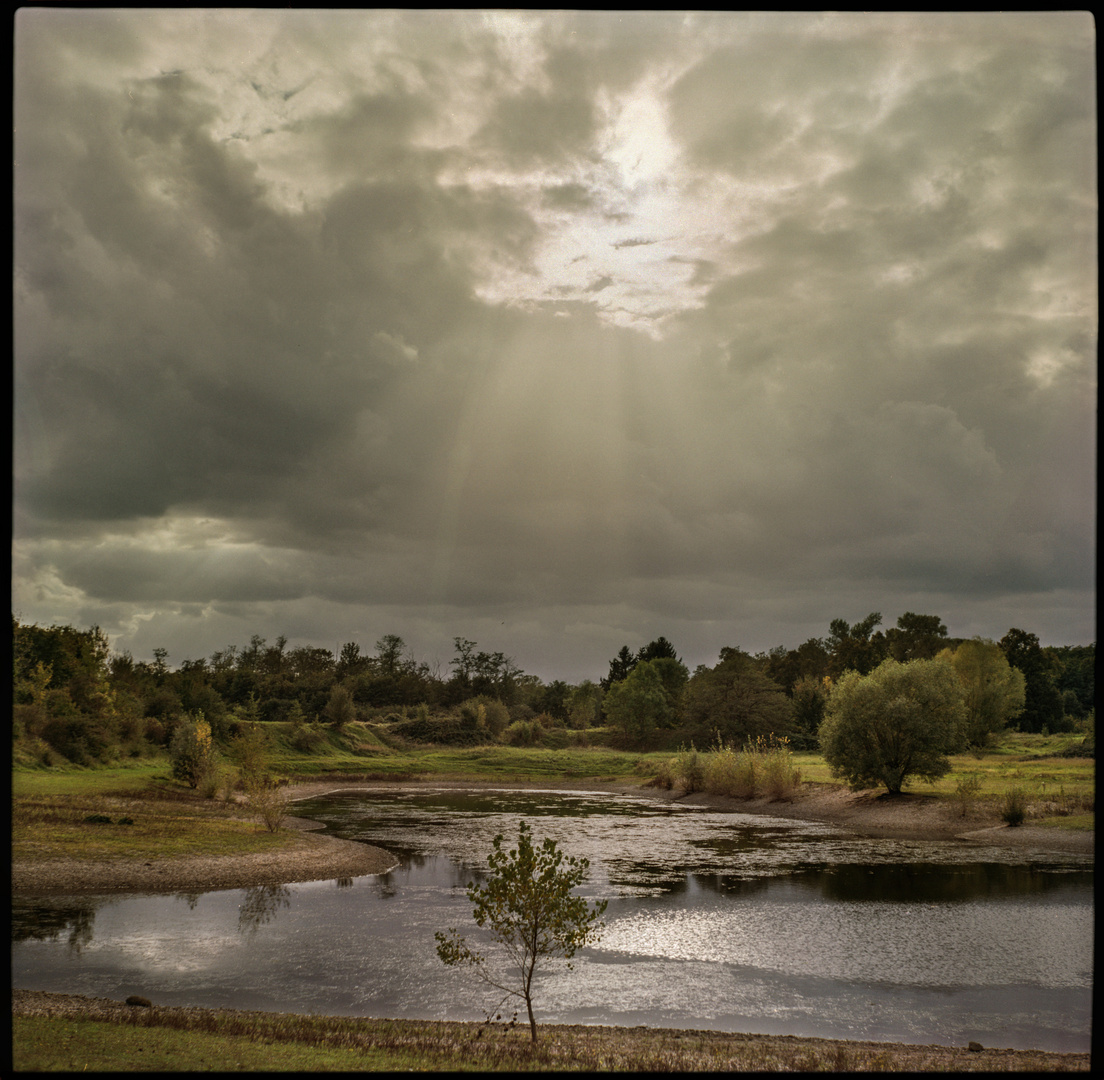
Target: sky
{"x": 554, "y": 331}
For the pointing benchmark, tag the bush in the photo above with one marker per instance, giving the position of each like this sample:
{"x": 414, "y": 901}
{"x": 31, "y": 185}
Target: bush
{"x": 487, "y": 714}
{"x": 665, "y": 776}
{"x": 79, "y": 738}
{"x": 446, "y": 730}
{"x": 780, "y": 778}
{"x": 340, "y": 709}
{"x": 250, "y": 751}
{"x": 1014, "y": 807}
{"x": 192, "y": 751}
{"x": 523, "y": 733}
{"x": 690, "y": 770}
{"x": 966, "y": 791}
{"x": 732, "y": 773}
{"x": 212, "y": 781}
{"x": 268, "y": 799}
{"x": 306, "y": 738}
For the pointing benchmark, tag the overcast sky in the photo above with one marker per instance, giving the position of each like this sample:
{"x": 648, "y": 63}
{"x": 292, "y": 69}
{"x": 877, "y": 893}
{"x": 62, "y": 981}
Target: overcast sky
{"x": 554, "y": 331}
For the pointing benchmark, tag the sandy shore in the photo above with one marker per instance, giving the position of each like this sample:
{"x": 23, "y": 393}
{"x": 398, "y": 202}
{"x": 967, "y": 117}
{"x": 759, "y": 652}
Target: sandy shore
{"x": 314, "y": 858}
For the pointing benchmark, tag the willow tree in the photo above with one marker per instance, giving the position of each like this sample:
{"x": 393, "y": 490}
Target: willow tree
{"x": 901, "y": 720}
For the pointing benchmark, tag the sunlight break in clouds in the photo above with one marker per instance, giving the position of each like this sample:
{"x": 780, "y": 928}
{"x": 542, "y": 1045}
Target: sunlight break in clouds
{"x": 553, "y": 330}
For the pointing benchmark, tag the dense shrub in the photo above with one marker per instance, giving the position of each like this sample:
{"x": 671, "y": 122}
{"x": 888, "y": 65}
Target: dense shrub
{"x": 306, "y": 738}
{"x": 966, "y": 792}
{"x": 690, "y": 769}
{"x": 524, "y": 733}
{"x": 486, "y": 714}
{"x": 447, "y": 730}
{"x": 192, "y": 751}
{"x": 74, "y": 737}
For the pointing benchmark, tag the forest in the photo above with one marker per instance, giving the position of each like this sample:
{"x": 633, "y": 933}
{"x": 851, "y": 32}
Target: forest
{"x": 76, "y": 700}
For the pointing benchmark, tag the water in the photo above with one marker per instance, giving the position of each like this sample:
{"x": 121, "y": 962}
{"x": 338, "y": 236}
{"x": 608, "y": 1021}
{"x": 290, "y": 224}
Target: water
{"x": 723, "y": 921}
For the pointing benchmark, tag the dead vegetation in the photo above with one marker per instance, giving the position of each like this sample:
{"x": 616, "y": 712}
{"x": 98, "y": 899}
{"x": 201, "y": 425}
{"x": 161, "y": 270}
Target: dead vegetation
{"x": 442, "y": 1045}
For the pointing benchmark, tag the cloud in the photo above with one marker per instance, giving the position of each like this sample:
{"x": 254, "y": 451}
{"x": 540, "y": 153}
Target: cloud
{"x": 379, "y": 298}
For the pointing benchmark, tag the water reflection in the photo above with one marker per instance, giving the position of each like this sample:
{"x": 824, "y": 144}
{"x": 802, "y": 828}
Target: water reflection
{"x": 72, "y": 920}
{"x": 261, "y": 904}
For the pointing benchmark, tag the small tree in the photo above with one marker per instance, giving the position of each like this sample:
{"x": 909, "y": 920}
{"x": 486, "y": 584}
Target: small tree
{"x": 528, "y": 907}
{"x": 340, "y": 709}
{"x": 250, "y": 752}
{"x": 263, "y": 793}
{"x": 900, "y": 720}
{"x": 192, "y": 750}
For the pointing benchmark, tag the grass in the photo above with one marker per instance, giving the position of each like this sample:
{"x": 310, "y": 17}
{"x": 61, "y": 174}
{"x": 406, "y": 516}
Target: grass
{"x": 190, "y": 1040}
{"x": 81, "y": 781}
{"x": 70, "y": 1046}
{"x": 56, "y": 826}
{"x": 166, "y": 819}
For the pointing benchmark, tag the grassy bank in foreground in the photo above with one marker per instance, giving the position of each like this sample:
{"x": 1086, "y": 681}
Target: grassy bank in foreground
{"x": 178, "y": 1039}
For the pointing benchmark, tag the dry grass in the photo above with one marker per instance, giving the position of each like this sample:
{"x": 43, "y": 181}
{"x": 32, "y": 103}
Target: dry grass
{"x": 764, "y": 767}
{"x": 53, "y": 827}
{"x": 441, "y": 1045}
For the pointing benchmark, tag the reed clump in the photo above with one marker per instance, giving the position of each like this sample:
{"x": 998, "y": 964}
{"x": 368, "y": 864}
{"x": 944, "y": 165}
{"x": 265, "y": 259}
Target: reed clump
{"x": 762, "y": 768}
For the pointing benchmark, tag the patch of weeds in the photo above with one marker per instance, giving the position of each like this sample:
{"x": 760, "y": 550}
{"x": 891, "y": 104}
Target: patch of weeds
{"x": 1014, "y": 806}
{"x": 966, "y": 792}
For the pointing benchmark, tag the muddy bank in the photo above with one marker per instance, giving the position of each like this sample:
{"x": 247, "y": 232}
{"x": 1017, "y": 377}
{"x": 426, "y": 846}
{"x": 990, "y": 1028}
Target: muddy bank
{"x": 309, "y": 858}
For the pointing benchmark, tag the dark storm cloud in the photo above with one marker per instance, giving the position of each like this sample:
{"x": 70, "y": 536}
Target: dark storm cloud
{"x": 328, "y": 324}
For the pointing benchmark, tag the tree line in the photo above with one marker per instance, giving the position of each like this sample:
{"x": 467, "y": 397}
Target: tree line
{"x": 76, "y": 697}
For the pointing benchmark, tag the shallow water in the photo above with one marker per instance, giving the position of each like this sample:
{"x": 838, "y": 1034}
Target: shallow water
{"x": 715, "y": 920}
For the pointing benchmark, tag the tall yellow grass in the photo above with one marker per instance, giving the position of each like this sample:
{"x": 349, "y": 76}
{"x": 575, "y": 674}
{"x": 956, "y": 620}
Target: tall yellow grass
{"x": 763, "y": 767}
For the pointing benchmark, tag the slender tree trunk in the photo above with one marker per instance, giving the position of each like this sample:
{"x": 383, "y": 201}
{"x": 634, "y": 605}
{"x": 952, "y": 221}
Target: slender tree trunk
{"x": 529, "y": 988}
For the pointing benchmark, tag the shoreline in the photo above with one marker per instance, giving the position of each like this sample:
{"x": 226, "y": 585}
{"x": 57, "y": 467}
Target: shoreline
{"x": 315, "y": 858}
{"x": 309, "y": 858}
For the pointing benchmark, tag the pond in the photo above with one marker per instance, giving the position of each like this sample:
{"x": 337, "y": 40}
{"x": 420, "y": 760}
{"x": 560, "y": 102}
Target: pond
{"x": 722, "y": 921}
